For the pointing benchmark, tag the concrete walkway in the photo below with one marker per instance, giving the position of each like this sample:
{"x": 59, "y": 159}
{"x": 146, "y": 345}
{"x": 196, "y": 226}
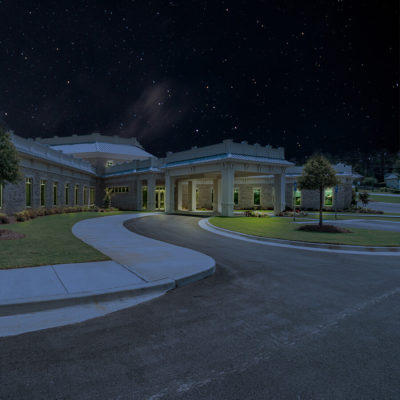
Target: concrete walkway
{"x": 141, "y": 268}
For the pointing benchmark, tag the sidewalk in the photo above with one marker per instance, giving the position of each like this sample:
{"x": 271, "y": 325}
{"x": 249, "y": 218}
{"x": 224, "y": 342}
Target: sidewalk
{"x": 140, "y": 267}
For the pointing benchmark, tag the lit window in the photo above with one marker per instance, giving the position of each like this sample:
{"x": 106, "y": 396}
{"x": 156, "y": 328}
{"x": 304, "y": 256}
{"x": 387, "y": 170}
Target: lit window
{"x": 144, "y": 196}
{"x": 236, "y": 196}
{"x": 297, "y": 197}
{"x": 85, "y": 199}
{"x": 42, "y": 193}
{"x": 109, "y": 163}
{"x": 28, "y": 192}
{"x": 92, "y": 194}
{"x": 66, "y": 194}
{"x": 257, "y": 197}
{"x": 328, "y": 201}
{"x": 55, "y": 193}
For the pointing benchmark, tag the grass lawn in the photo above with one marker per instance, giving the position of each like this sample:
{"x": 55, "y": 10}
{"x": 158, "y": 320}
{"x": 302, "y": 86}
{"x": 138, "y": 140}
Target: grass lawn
{"x": 384, "y": 199}
{"x": 283, "y": 228}
{"x": 49, "y": 240}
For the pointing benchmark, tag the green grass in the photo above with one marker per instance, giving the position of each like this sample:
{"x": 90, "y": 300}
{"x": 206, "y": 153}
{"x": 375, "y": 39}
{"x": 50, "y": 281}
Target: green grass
{"x": 283, "y": 228}
{"x": 49, "y": 240}
{"x": 384, "y": 199}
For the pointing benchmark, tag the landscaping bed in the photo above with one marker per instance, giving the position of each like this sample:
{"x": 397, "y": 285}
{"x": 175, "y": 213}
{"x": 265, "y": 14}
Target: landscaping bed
{"x": 283, "y": 228}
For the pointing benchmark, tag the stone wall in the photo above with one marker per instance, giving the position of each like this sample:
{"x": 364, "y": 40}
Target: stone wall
{"x": 14, "y": 196}
{"x": 124, "y": 201}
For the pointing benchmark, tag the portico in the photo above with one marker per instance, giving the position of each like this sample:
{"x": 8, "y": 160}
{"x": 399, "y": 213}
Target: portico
{"x": 218, "y": 166}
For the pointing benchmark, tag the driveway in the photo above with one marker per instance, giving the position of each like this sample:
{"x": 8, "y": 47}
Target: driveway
{"x": 270, "y": 324}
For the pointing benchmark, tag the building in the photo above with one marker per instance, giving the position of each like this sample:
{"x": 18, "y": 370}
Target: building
{"x": 392, "y": 181}
{"x": 76, "y": 170}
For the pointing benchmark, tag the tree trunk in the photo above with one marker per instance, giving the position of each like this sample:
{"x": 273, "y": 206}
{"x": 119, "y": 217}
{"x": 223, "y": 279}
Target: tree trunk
{"x": 320, "y": 206}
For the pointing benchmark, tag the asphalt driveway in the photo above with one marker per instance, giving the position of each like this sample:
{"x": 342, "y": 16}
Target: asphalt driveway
{"x": 270, "y": 324}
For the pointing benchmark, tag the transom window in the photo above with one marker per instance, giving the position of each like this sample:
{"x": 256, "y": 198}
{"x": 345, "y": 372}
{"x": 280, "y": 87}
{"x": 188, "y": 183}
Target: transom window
{"x": 119, "y": 189}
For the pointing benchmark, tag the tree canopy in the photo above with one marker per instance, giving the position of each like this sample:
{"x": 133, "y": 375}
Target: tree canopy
{"x": 9, "y": 161}
{"x": 318, "y": 173}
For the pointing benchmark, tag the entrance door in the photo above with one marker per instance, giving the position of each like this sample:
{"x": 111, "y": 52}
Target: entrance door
{"x": 160, "y": 198}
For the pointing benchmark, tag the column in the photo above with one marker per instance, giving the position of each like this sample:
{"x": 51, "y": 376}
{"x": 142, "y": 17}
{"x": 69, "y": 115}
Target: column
{"x": 280, "y": 189}
{"x": 151, "y": 193}
{"x": 139, "y": 195}
{"x": 228, "y": 177}
{"x": 169, "y": 194}
{"x": 192, "y": 196}
{"x": 215, "y": 195}
{"x": 180, "y": 195}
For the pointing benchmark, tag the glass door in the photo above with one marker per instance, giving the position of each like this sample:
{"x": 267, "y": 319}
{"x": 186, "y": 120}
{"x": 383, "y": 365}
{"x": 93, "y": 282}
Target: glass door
{"x": 160, "y": 198}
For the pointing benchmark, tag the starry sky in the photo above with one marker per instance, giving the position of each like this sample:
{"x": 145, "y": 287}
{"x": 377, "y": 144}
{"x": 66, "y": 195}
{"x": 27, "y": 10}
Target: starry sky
{"x": 307, "y": 75}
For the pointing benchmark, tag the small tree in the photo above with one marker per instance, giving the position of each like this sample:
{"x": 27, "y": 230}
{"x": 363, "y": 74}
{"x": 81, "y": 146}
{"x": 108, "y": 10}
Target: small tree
{"x": 364, "y": 198}
{"x": 9, "y": 162}
{"x": 107, "y": 198}
{"x": 318, "y": 174}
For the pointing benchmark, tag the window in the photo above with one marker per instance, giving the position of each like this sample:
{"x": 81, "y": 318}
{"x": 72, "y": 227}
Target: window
{"x": 55, "y": 193}
{"x": 257, "y": 196}
{"x": 85, "y": 199}
{"x": 76, "y": 195}
{"x": 92, "y": 194}
{"x": 109, "y": 163}
{"x": 144, "y": 196}
{"x": 328, "y": 201}
{"x": 236, "y": 196}
{"x": 28, "y": 192}
{"x": 66, "y": 194}
{"x": 119, "y": 189}
{"x": 42, "y": 193}
{"x": 297, "y": 198}
{"x": 1, "y": 195}
{"x": 212, "y": 195}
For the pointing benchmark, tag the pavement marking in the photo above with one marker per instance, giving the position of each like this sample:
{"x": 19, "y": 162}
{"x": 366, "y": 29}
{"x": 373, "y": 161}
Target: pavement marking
{"x": 373, "y": 251}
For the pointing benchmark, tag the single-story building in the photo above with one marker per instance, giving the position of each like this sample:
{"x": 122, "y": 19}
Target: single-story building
{"x": 76, "y": 170}
{"x": 392, "y": 180}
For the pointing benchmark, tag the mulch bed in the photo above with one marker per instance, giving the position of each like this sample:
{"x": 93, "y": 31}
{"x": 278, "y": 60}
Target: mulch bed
{"x": 323, "y": 228}
{"x": 5, "y": 234}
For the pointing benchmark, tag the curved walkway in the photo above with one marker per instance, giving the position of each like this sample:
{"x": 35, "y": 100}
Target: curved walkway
{"x": 140, "y": 269}
{"x": 320, "y": 247}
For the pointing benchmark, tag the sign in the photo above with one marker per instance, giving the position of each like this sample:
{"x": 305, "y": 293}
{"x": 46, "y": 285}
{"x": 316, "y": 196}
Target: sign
{"x": 294, "y": 186}
{"x": 336, "y": 188}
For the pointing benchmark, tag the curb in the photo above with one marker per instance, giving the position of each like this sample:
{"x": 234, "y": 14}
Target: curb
{"x": 23, "y": 306}
{"x": 311, "y": 246}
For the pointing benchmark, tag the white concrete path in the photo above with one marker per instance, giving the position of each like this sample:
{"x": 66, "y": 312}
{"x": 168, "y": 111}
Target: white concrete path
{"x": 140, "y": 269}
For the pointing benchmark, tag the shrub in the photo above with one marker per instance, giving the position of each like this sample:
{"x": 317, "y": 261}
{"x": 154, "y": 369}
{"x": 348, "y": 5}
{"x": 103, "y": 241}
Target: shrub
{"x": 4, "y": 219}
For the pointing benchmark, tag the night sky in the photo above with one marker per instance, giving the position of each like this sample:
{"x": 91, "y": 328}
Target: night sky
{"x": 306, "y": 75}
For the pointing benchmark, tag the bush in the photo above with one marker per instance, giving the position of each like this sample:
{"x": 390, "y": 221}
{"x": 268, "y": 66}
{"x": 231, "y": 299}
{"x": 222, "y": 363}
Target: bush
{"x": 324, "y": 228}
{"x": 4, "y": 219}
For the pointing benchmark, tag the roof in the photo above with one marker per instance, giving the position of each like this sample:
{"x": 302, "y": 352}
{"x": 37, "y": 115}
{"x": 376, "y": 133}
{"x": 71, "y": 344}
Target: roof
{"x": 38, "y": 150}
{"x": 228, "y": 156}
{"x": 392, "y": 176}
{"x": 99, "y": 149}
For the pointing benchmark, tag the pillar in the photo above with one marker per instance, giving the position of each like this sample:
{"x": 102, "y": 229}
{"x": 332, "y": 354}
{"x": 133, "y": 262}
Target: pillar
{"x": 139, "y": 195}
{"x": 180, "y": 183}
{"x": 151, "y": 193}
{"x": 192, "y": 205}
{"x": 215, "y": 194}
{"x": 169, "y": 194}
{"x": 280, "y": 190}
{"x": 227, "y": 183}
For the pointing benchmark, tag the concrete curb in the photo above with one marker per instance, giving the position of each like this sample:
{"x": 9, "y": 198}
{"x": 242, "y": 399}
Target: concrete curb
{"x": 35, "y": 304}
{"x": 310, "y": 246}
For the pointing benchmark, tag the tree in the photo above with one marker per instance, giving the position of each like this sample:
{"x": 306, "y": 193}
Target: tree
{"x": 396, "y": 167}
{"x": 369, "y": 181}
{"x": 364, "y": 198}
{"x": 9, "y": 161}
{"x": 318, "y": 174}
